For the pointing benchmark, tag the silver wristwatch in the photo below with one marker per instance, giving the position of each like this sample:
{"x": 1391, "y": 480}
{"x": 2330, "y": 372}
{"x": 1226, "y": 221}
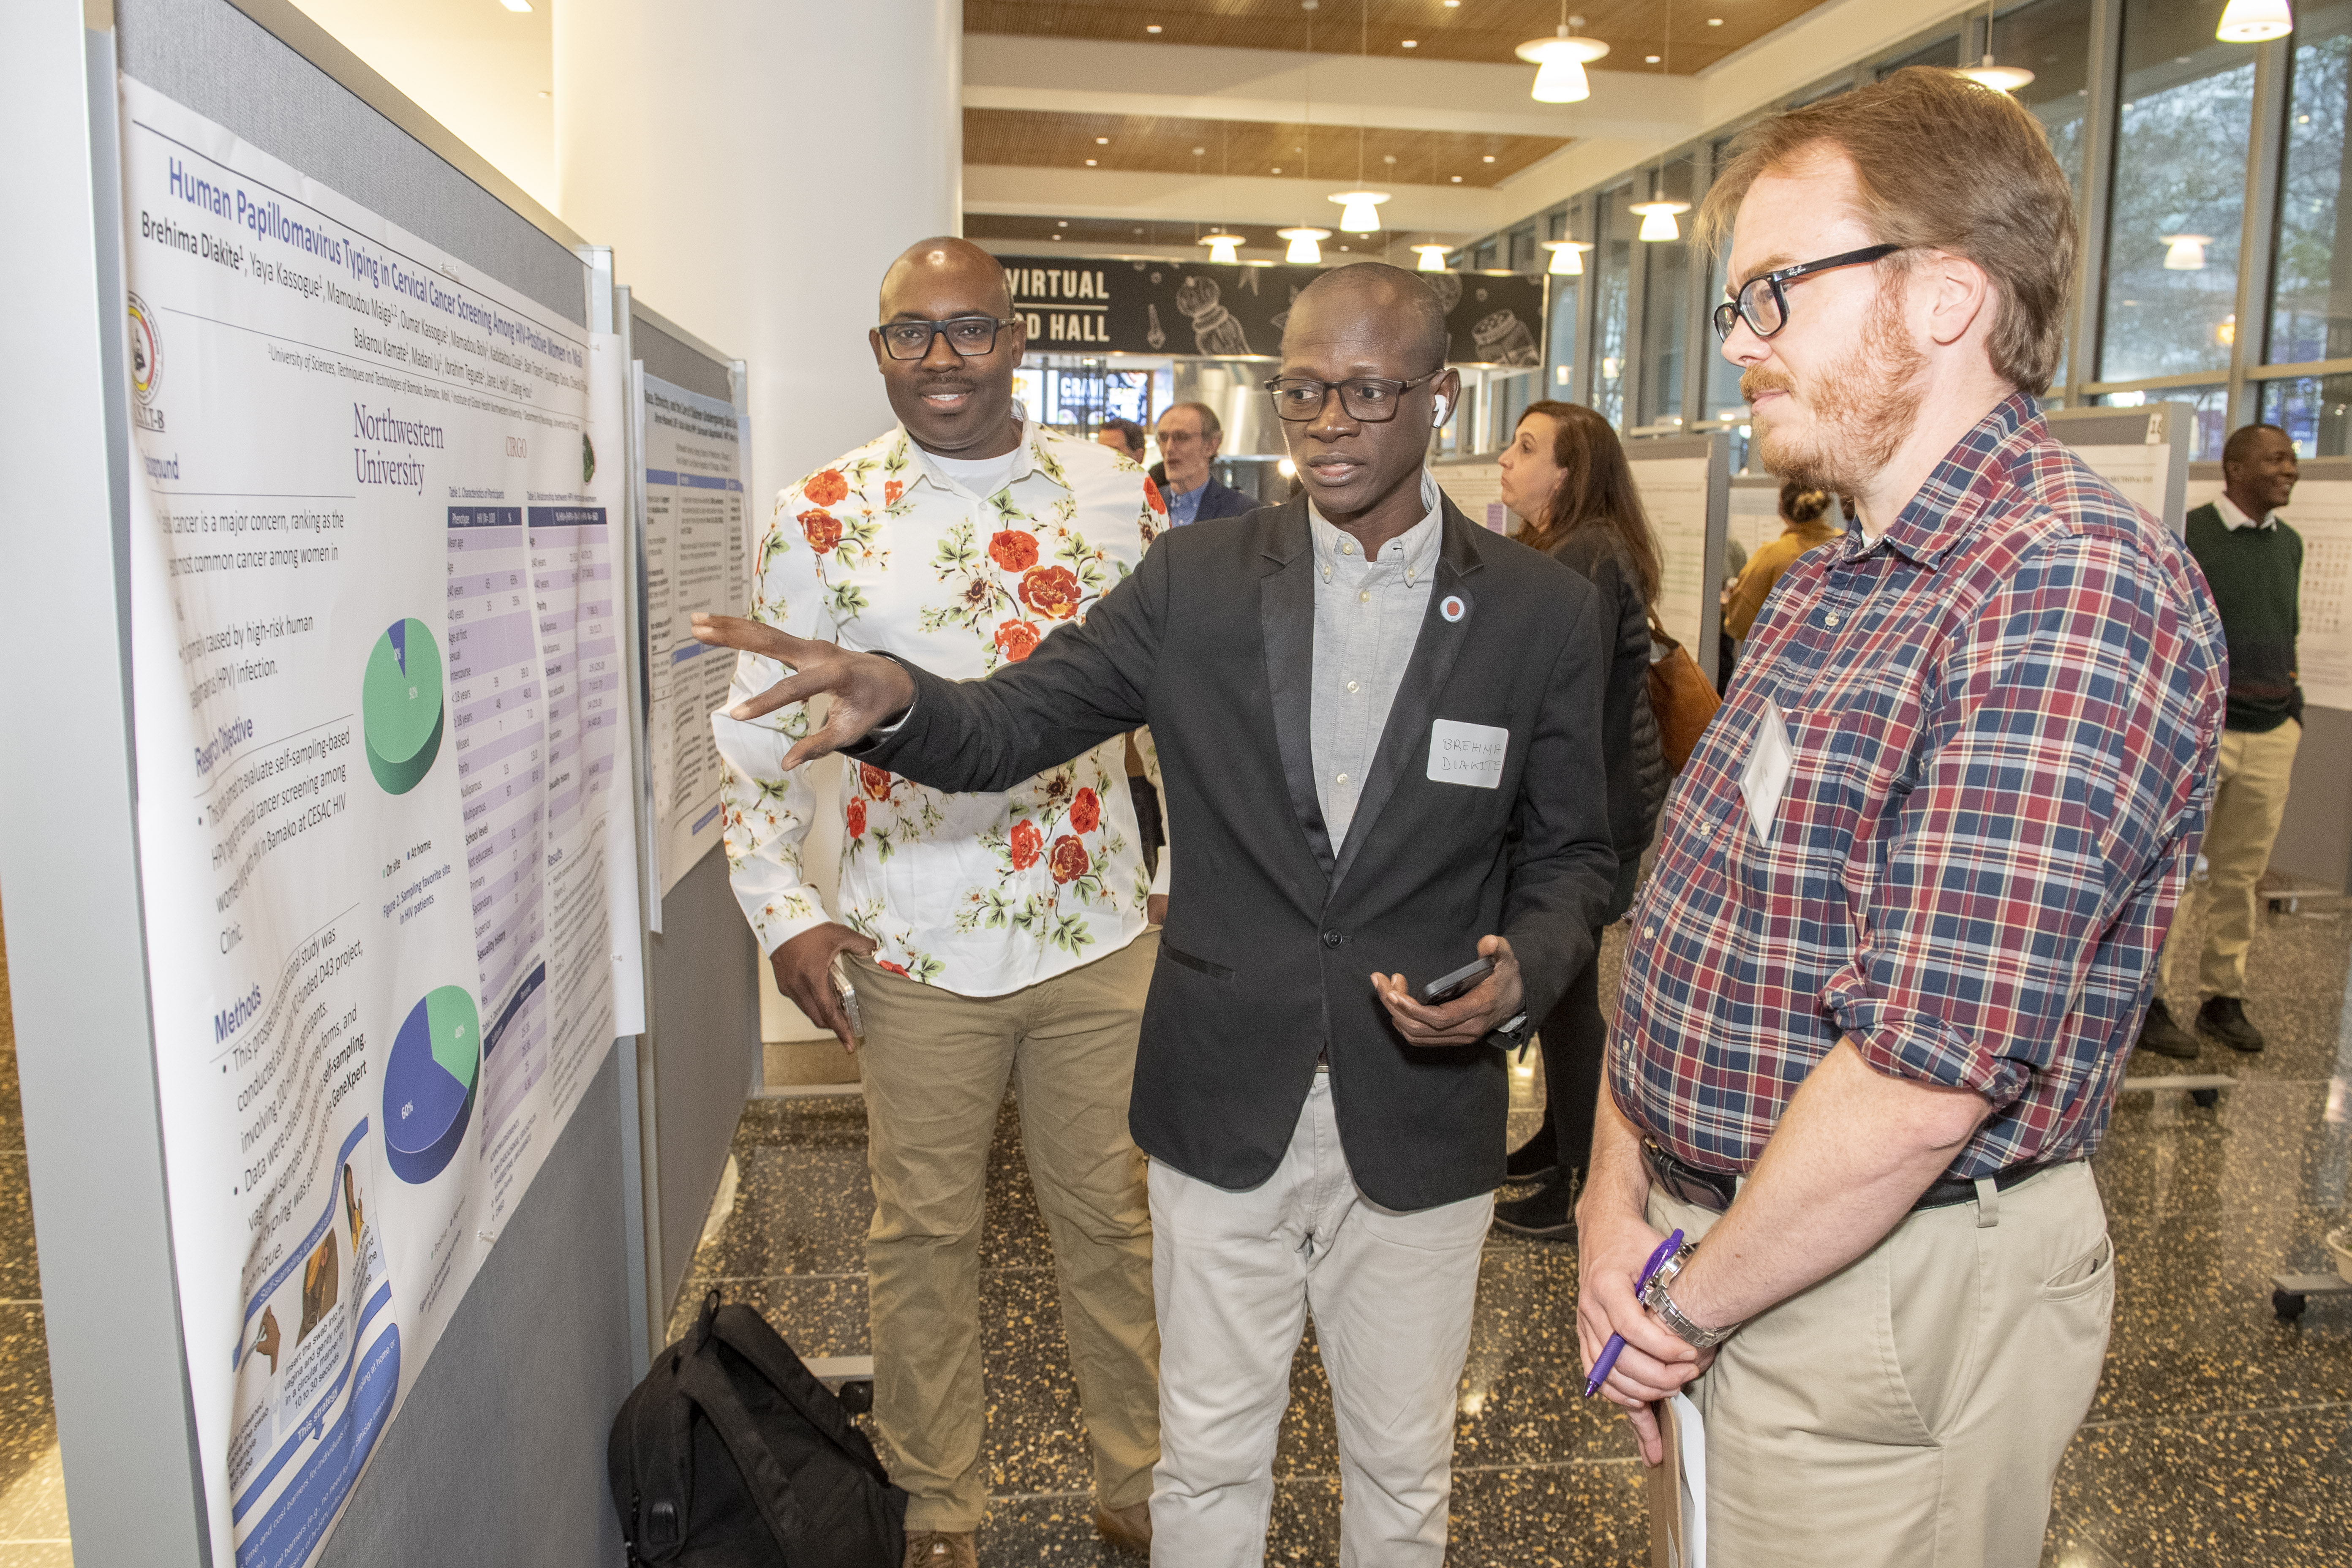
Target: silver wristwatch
{"x": 1662, "y": 1305}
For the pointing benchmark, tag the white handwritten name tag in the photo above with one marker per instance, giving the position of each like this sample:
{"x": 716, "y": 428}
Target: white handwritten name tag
{"x": 1467, "y": 753}
{"x": 1766, "y": 773}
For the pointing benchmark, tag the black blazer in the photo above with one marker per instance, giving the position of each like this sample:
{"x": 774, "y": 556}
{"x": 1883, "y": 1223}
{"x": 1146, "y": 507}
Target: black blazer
{"x": 1273, "y": 930}
{"x": 1220, "y": 500}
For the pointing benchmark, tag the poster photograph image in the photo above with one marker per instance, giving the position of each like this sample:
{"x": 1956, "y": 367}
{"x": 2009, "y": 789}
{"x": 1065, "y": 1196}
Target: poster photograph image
{"x": 386, "y": 856}
{"x": 697, "y": 550}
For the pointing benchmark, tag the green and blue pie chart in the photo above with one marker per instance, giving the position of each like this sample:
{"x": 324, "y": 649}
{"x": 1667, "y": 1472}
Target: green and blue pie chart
{"x": 429, "y": 1083}
{"x": 400, "y": 706}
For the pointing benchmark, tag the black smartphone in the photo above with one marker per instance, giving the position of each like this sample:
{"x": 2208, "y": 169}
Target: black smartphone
{"x": 1449, "y": 987}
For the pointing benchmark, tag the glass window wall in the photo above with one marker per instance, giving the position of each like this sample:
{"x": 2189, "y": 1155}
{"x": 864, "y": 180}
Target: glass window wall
{"x": 2311, "y": 301}
{"x": 2052, "y": 39}
{"x": 1610, "y": 266}
{"x": 2187, "y": 107}
{"x": 2315, "y": 412}
{"x": 1665, "y": 300}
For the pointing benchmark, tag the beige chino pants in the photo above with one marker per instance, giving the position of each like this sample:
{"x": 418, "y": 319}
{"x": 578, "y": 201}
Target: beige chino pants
{"x": 1912, "y": 1408}
{"x": 2255, "y": 771}
{"x": 935, "y": 1068}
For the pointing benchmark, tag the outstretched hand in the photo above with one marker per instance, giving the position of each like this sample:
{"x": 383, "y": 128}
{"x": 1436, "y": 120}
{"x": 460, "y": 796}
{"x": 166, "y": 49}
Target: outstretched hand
{"x": 866, "y": 689}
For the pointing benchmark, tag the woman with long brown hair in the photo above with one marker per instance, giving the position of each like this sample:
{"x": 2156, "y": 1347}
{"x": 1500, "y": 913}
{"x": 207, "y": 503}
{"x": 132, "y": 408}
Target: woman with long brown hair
{"x": 1566, "y": 474}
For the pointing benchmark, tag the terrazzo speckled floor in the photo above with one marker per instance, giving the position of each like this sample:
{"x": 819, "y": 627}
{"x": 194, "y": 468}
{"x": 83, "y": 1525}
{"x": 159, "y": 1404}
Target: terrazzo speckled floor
{"x": 2218, "y": 1435}
{"x": 32, "y": 1532}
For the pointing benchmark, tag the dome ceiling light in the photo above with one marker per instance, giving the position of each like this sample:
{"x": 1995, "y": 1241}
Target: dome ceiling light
{"x": 2254, "y": 22}
{"x": 1568, "y": 255}
{"x": 1560, "y": 61}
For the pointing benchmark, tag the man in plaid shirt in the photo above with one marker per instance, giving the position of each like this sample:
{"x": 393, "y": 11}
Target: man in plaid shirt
{"x": 1912, "y": 887}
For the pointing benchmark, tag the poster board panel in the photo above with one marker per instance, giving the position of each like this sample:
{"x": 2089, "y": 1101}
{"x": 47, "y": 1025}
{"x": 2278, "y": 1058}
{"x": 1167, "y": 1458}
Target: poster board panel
{"x": 389, "y": 880}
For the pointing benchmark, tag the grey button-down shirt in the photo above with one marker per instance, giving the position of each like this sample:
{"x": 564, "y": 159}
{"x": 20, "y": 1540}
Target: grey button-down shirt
{"x": 1368, "y": 615}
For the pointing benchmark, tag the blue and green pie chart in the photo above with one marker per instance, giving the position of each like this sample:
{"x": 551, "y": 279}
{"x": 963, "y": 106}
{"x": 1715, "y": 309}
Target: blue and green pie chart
{"x": 400, "y": 706}
{"x": 429, "y": 1083}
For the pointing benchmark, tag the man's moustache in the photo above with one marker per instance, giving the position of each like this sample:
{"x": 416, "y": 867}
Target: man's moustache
{"x": 1755, "y": 383}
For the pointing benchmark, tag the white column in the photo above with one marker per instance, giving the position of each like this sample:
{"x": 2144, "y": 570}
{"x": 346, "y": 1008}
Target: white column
{"x": 755, "y": 164}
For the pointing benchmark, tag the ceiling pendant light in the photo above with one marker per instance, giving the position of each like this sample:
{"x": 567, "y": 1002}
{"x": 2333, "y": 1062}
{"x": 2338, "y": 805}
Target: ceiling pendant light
{"x": 1560, "y": 61}
{"x": 1304, "y": 249}
{"x": 2254, "y": 21}
{"x": 1223, "y": 247}
{"x": 1657, "y": 214}
{"x": 1568, "y": 255}
{"x": 1359, "y": 211}
{"x": 1433, "y": 256}
{"x": 1658, "y": 219}
{"x": 1984, "y": 73}
{"x": 2185, "y": 252}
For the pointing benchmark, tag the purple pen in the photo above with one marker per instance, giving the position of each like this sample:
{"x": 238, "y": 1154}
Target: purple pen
{"x": 1602, "y": 1368}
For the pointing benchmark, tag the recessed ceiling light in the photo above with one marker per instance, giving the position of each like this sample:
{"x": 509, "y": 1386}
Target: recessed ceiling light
{"x": 1102, "y": 140}
{"x": 1413, "y": 43}
{"x": 1650, "y": 59}
{"x": 1489, "y": 158}
{"x": 1090, "y": 163}
{"x": 1057, "y": 237}
{"x": 1714, "y": 21}
{"x": 1277, "y": 168}
{"x": 1457, "y": 179}
{"x": 1152, "y": 27}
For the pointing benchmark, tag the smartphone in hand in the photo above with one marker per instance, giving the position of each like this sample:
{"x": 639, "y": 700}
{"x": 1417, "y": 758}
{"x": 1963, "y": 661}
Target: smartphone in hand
{"x": 847, "y": 995}
{"x": 1460, "y": 983}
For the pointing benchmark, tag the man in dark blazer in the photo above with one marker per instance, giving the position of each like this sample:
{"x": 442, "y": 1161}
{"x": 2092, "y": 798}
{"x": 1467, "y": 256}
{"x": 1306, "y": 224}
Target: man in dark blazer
{"x": 1190, "y": 435}
{"x": 1379, "y": 726}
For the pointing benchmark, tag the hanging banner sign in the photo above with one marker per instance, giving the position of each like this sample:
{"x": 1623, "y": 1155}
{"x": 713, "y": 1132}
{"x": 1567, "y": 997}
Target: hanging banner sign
{"x": 1084, "y": 305}
{"x": 386, "y": 837}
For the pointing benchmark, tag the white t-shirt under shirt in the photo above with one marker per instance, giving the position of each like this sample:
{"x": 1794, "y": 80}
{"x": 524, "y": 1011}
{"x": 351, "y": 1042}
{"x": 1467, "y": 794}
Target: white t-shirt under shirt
{"x": 983, "y": 476}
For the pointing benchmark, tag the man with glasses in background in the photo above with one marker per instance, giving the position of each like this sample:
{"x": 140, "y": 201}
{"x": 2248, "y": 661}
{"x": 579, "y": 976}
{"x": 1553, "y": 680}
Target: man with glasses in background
{"x": 1379, "y": 729}
{"x": 1911, "y": 889}
{"x": 989, "y": 938}
{"x": 1190, "y": 435}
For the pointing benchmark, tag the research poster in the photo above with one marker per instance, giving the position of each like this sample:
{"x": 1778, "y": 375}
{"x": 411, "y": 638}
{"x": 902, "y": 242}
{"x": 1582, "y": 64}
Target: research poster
{"x": 386, "y": 847}
{"x": 1674, "y": 492}
{"x": 2321, "y": 511}
{"x": 1476, "y": 487}
{"x": 697, "y": 547}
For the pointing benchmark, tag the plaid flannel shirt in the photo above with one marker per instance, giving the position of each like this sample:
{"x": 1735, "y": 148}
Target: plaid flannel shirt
{"x": 2004, "y": 714}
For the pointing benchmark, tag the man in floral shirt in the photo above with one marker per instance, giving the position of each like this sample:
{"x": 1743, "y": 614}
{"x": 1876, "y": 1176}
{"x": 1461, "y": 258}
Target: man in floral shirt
{"x": 991, "y": 938}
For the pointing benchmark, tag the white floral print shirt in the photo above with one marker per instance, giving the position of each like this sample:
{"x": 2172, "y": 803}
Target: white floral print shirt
{"x": 980, "y": 894}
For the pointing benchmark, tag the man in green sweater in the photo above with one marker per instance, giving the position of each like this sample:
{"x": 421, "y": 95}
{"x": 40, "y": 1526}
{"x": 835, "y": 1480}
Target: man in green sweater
{"x": 2254, "y": 562}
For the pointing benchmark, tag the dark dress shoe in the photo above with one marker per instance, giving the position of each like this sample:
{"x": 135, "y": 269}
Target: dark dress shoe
{"x": 1549, "y": 1213}
{"x": 1534, "y": 1160}
{"x": 2160, "y": 1034}
{"x": 2225, "y": 1018}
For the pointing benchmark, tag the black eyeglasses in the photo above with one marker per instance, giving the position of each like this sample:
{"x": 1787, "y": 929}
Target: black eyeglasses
{"x": 970, "y": 336}
{"x": 1762, "y": 305}
{"x": 1369, "y": 398}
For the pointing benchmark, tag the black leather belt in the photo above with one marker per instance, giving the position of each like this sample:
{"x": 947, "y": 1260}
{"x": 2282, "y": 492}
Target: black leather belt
{"x": 1713, "y": 1190}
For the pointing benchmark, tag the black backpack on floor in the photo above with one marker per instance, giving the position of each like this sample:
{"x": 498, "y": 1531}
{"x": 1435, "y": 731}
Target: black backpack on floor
{"x": 730, "y": 1454}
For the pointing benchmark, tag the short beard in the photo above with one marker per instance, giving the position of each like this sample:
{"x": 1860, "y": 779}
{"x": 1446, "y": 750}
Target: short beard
{"x": 1863, "y": 406}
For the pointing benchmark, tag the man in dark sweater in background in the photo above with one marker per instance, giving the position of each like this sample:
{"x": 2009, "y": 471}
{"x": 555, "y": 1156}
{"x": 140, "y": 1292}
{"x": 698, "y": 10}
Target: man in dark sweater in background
{"x": 2254, "y": 562}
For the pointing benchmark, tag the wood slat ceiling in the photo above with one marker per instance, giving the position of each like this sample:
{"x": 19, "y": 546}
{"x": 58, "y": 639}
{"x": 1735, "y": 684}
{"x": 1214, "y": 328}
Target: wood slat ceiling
{"x": 1160, "y": 144}
{"x": 1704, "y": 31}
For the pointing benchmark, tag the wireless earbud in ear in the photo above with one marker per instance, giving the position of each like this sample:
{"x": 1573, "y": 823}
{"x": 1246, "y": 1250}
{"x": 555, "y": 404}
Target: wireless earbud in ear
{"x": 1437, "y": 414}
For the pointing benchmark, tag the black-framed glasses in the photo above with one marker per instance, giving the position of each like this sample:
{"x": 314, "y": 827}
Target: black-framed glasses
{"x": 1762, "y": 305}
{"x": 1371, "y": 398}
{"x": 970, "y": 336}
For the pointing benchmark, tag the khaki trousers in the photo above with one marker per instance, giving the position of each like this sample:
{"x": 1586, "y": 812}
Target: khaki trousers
{"x": 1393, "y": 1295}
{"x": 2255, "y": 771}
{"x": 935, "y": 1068}
{"x": 1912, "y": 1408}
